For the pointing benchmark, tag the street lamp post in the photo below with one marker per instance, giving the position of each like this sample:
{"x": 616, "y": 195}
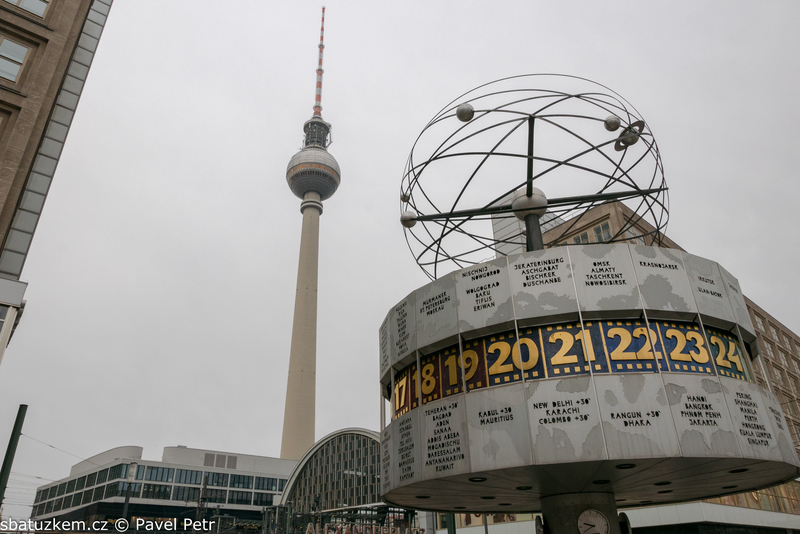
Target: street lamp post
{"x": 315, "y": 511}
{"x": 131, "y": 477}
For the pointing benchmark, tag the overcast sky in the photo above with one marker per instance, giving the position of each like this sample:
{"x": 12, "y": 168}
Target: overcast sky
{"x": 162, "y": 273}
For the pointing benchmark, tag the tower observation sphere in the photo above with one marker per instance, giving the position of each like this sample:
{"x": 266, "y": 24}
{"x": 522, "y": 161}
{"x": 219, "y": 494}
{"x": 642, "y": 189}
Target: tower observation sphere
{"x": 313, "y": 169}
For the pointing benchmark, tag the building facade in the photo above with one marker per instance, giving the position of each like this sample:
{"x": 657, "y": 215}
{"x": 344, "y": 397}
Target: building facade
{"x": 186, "y": 483}
{"x": 778, "y": 365}
{"x": 336, "y": 481}
{"x": 46, "y": 50}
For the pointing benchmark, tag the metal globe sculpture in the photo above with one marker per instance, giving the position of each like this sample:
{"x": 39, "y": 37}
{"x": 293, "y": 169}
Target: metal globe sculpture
{"x": 578, "y": 142}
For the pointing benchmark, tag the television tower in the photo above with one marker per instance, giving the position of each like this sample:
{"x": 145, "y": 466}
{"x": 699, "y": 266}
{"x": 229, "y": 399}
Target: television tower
{"x": 313, "y": 175}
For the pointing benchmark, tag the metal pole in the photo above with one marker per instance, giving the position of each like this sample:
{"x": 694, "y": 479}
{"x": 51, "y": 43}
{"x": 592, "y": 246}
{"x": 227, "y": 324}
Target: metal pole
{"x": 529, "y": 190}
{"x": 533, "y": 233}
{"x": 11, "y": 450}
{"x": 127, "y": 500}
{"x": 533, "y": 229}
{"x": 200, "y": 514}
{"x": 485, "y": 524}
{"x": 130, "y": 478}
{"x": 451, "y": 523}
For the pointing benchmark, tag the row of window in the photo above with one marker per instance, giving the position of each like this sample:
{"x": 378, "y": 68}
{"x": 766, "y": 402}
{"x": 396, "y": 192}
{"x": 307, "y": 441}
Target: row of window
{"x": 37, "y": 7}
{"x": 602, "y": 234}
{"x": 784, "y": 498}
{"x": 12, "y": 53}
{"x": 782, "y": 369}
{"x": 782, "y": 338}
{"x": 87, "y": 481}
{"x": 162, "y": 474}
{"x": 785, "y": 381}
{"x": 781, "y": 357}
{"x": 794, "y": 429}
{"x": 153, "y": 491}
{"x": 12, "y": 56}
{"x": 788, "y": 401}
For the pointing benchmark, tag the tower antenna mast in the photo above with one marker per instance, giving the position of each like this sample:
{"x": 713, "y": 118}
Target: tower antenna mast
{"x": 318, "y": 96}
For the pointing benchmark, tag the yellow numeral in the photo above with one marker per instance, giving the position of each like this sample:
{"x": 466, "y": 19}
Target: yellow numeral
{"x": 561, "y": 357}
{"x": 646, "y": 352}
{"x": 586, "y": 342}
{"x": 471, "y": 363}
{"x": 428, "y": 380}
{"x": 721, "y": 361}
{"x": 733, "y": 355}
{"x": 533, "y": 354}
{"x": 499, "y": 366}
{"x": 701, "y": 356}
{"x": 400, "y": 393}
{"x": 677, "y": 353}
{"x": 620, "y": 352}
{"x": 450, "y": 363}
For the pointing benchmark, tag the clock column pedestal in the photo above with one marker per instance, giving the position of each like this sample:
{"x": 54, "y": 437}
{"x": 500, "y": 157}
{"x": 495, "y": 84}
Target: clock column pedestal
{"x": 567, "y": 514}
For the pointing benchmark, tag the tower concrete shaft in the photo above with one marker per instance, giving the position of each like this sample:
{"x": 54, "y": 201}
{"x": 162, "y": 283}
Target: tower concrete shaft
{"x": 298, "y": 417}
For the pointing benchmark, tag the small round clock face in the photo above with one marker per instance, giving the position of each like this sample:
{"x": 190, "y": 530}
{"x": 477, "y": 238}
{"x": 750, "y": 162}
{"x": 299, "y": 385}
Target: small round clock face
{"x": 592, "y": 522}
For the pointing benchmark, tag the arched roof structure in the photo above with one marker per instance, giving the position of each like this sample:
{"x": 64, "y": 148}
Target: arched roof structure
{"x": 341, "y": 470}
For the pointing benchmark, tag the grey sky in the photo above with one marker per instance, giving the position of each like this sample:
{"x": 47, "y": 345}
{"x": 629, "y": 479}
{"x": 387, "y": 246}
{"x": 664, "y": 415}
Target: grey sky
{"x": 162, "y": 273}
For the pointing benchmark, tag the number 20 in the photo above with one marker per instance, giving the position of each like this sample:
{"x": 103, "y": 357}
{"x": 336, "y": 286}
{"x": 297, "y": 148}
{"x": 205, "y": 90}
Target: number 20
{"x": 501, "y": 365}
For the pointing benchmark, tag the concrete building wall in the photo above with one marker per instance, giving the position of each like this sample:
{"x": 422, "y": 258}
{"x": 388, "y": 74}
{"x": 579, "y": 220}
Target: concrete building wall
{"x": 242, "y": 462}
